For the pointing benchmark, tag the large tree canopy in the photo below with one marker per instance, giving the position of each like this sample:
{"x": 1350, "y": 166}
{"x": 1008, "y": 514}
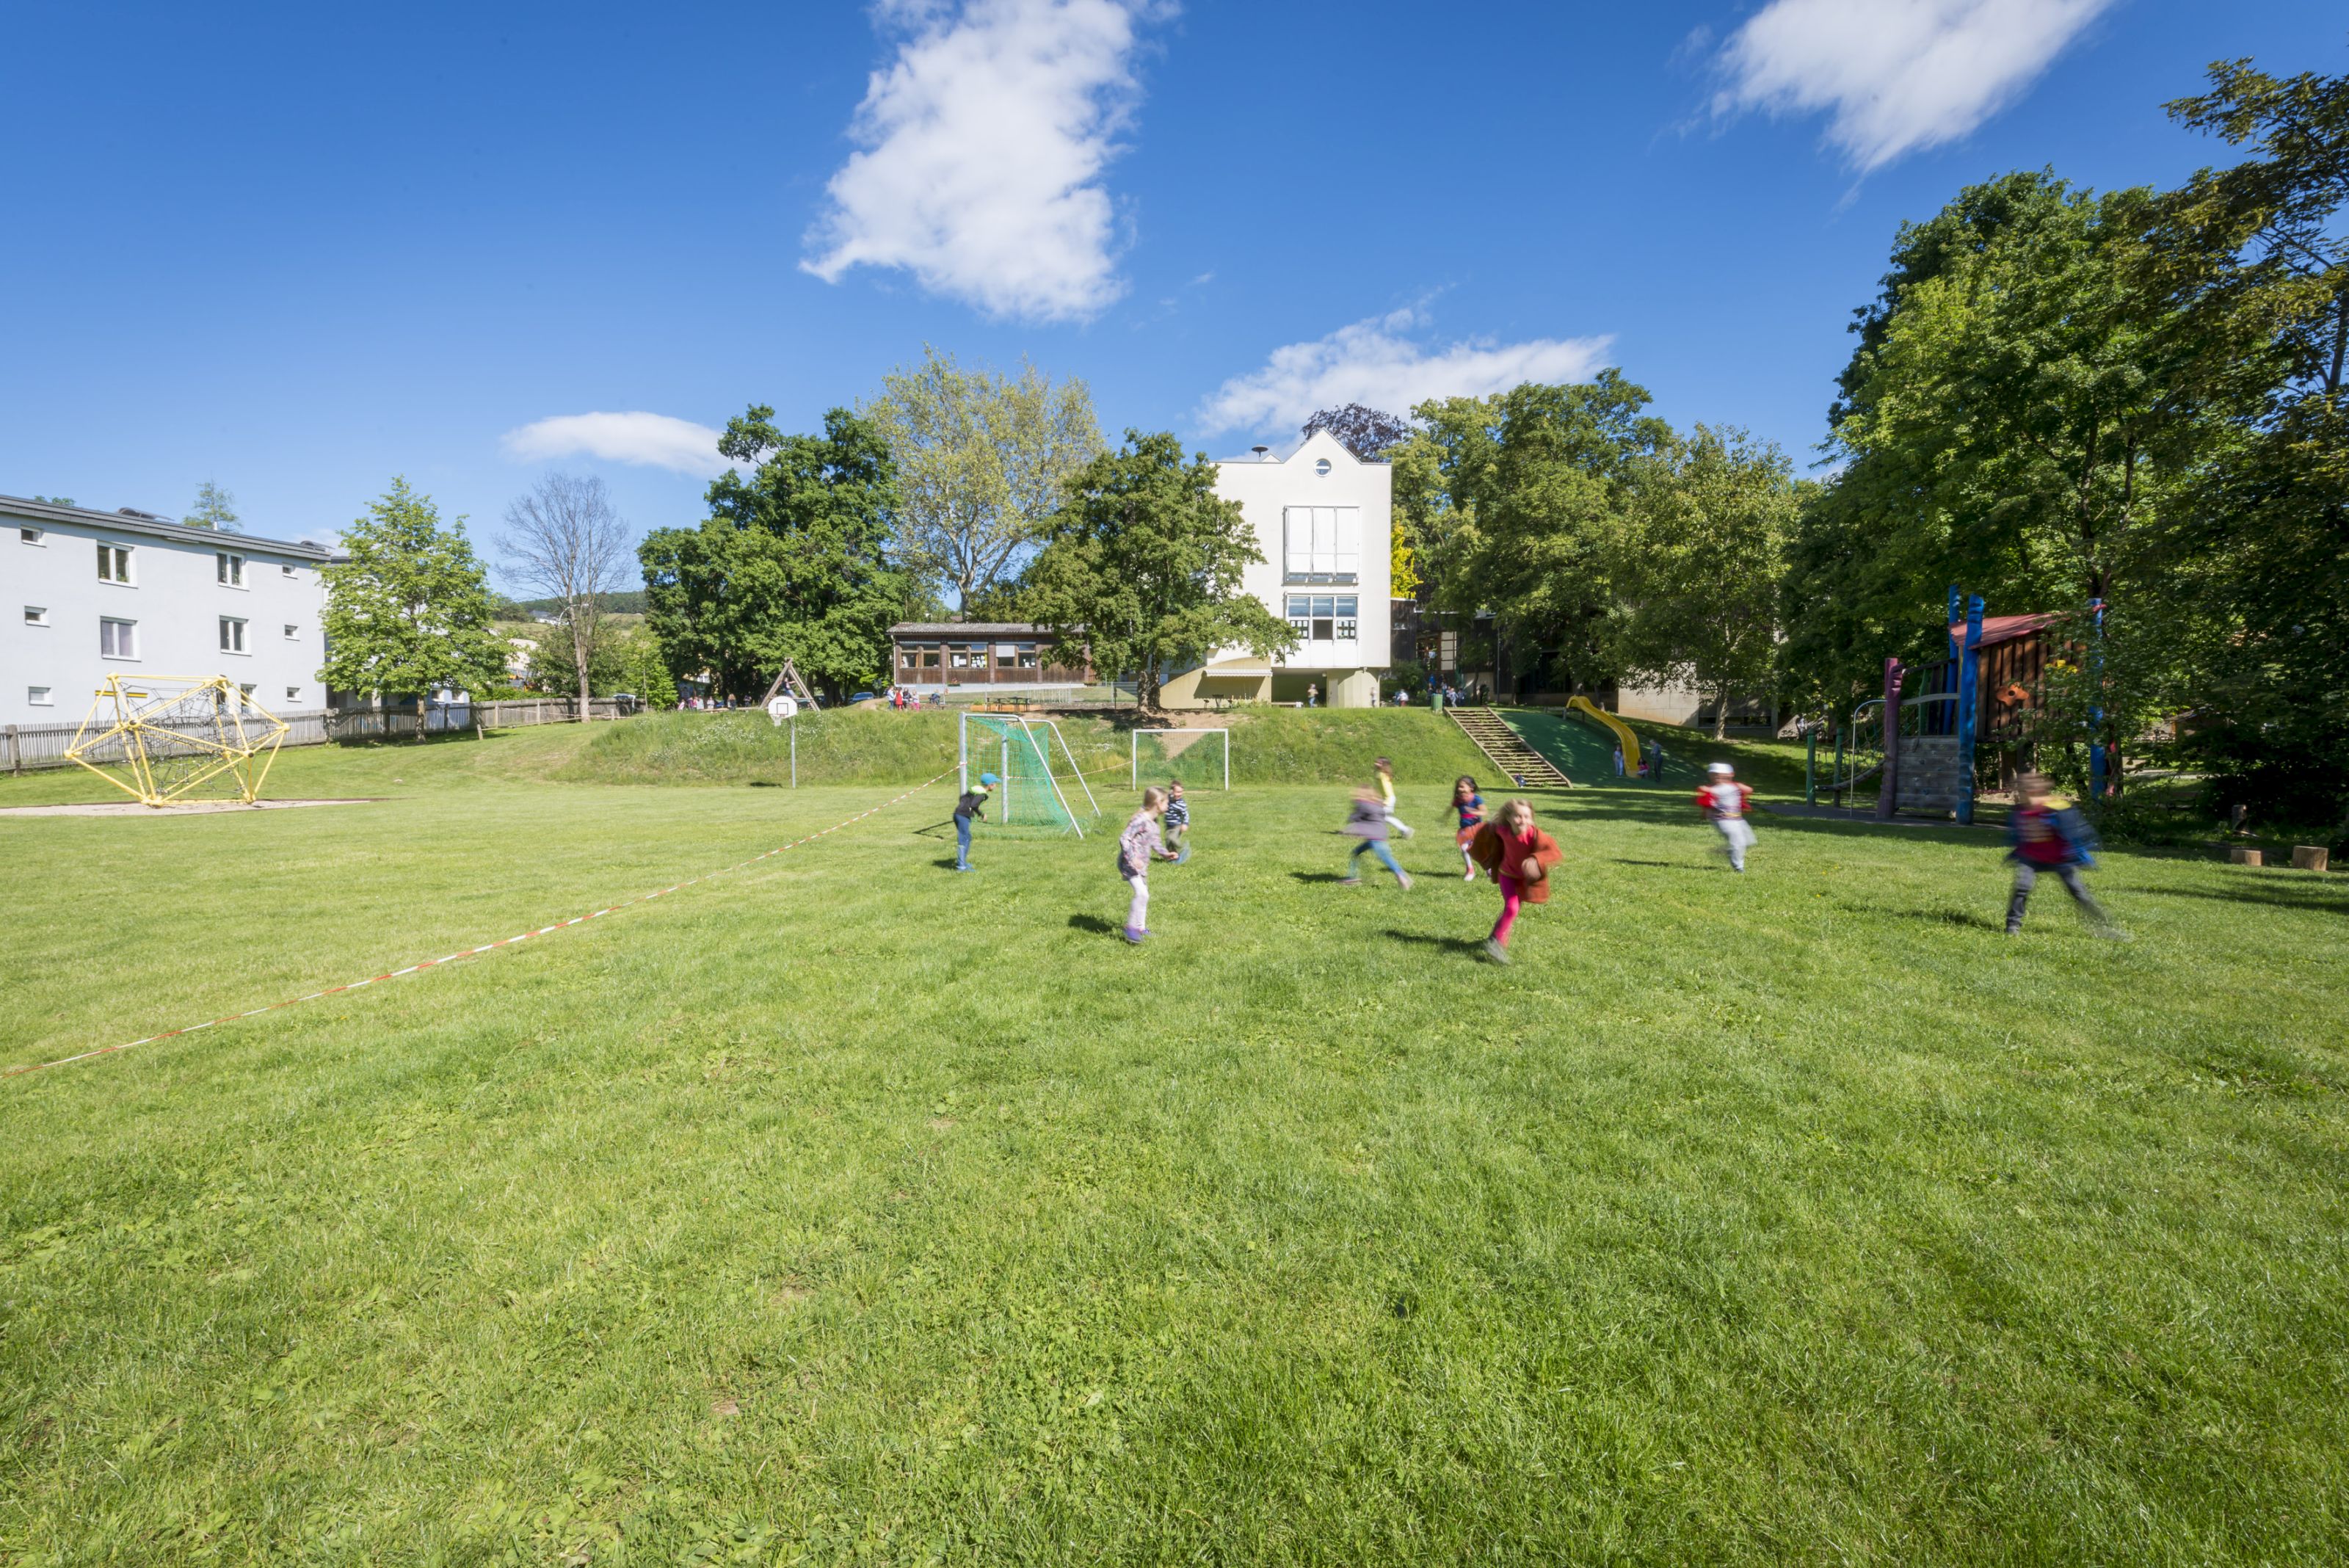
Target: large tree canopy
{"x": 1144, "y": 565}
{"x": 793, "y": 562}
{"x": 410, "y": 611}
{"x": 980, "y": 460}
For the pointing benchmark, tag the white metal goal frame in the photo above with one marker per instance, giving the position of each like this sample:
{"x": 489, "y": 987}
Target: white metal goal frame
{"x": 1133, "y": 750}
{"x": 996, "y": 725}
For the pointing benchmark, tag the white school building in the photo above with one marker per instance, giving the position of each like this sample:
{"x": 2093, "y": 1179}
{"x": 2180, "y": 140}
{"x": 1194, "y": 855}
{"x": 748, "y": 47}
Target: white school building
{"x": 86, "y": 593}
{"x": 1321, "y": 518}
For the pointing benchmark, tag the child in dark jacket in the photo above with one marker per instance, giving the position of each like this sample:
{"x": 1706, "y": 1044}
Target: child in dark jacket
{"x": 1177, "y": 822}
{"x": 971, "y": 807}
{"x": 2044, "y": 837}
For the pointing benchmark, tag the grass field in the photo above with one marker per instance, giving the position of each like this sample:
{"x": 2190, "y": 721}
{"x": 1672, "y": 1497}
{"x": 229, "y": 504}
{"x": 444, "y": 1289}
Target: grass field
{"x": 843, "y": 1209}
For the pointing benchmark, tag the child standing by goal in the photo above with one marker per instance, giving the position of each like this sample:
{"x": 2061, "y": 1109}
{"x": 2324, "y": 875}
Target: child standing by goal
{"x": 1724, "y": 802}
{"x": 1178, "y": 821}
{"x": 1137, "y": 846}
{"x": 971, "y": 807}
{"x": 1470, "y": 807}
{"x": 1518, "y": 855}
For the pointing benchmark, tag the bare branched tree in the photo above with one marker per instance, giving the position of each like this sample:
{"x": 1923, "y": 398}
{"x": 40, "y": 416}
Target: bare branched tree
{"x": 566, "y": 539}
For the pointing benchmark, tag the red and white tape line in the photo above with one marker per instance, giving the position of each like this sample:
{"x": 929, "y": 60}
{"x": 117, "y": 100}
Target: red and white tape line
{"x": 485, "y": 946}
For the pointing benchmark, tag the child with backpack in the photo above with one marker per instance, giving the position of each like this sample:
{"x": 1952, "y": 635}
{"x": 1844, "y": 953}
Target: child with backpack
{"x": 1725, "y": 802}
{"x": 1369, "y": 823}
{"x": 1137, "y": 846}
{"x": 1518, "y": 856}
{"x": 970, "y": 807}
{"x": 2046, "y": 836}
{"x": 1469, "y": 806}
{"x": 1178, "y": 821}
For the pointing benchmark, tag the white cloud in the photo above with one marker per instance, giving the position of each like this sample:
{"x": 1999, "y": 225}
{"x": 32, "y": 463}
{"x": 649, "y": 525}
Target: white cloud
{"x": 1897, "y": 75}
{"x": 1373, "y": 362}
{"x": 656, "y": 439}
{"x": 983, "y": 147}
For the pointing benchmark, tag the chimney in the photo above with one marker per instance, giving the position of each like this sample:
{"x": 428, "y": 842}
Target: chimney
{"x": 1263, "y": 454}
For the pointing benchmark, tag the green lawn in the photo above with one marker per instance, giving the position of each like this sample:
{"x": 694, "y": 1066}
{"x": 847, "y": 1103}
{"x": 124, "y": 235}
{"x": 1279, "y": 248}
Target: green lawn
{"x": 844, "y": 1209}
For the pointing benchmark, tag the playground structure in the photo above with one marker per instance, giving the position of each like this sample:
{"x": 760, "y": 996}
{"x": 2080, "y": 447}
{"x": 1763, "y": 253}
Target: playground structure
{"x": 1018, "y": 751}
{"x": 163, "y": 739}
{"x": 1621, "y": 732}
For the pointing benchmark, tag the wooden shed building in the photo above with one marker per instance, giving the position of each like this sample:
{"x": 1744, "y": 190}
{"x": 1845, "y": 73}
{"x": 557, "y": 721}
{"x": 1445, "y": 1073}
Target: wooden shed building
{"x": 945, "y": 656}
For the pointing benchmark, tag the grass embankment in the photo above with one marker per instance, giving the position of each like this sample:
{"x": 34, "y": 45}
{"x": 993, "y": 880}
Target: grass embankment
{"x": 1269, "y": 745}
{"x": 847, "y": 1209}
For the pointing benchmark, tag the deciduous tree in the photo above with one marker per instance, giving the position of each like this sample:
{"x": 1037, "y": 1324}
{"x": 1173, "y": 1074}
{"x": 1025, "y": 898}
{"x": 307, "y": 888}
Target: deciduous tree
{"x": 566, "y": 539}
{"x": 410, "y": 610}
{"x": 1144, "y": 563}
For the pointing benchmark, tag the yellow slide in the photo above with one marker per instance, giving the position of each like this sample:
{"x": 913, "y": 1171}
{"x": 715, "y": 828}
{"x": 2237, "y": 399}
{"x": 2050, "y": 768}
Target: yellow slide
{"x": 1622, "y": 731}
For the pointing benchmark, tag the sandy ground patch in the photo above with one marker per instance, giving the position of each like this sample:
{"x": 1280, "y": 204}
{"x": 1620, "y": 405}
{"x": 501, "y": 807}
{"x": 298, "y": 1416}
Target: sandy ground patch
{"x": 181, "y": 808}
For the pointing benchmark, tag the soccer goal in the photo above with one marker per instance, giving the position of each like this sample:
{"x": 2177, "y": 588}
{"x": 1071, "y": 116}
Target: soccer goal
{"x": 1019, "y": 752}
{"x": 1201, "y": 759}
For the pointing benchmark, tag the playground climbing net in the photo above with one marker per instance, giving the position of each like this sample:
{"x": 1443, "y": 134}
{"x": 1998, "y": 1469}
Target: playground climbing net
{"x": 161, "y": 740}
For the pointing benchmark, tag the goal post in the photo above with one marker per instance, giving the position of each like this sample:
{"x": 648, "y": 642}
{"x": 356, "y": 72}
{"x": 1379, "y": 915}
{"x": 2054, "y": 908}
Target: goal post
{"x": 1200, "y": 759}
{"x": 1019, "y": 752}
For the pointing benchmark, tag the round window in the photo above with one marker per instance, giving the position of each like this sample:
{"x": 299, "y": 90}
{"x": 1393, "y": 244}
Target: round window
{"x": 1322, "y": 468}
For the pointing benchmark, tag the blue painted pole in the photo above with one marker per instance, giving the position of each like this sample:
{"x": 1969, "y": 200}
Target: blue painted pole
{"x": 2097, "y": 704}
{"x": 1969, "y": 662}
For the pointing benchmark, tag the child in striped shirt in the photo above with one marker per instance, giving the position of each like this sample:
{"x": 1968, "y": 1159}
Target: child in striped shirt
{"x": 1178, "y": 821}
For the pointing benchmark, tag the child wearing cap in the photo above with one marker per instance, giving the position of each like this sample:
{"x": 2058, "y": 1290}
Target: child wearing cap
{"x": 1724, "y": 802}
{"x": 972, "y": 805}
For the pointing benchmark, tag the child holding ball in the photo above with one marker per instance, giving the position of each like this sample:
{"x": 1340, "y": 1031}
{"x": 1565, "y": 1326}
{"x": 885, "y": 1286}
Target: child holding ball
{"x": 1517, "y": 856}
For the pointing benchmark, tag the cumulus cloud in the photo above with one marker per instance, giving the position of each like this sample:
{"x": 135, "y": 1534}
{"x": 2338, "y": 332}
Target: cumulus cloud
{"x": 1895, "y": 75}
{"x": 658, "y": 440}
{"x": 1376, "y": 362}
{"x": 982, "y": 148}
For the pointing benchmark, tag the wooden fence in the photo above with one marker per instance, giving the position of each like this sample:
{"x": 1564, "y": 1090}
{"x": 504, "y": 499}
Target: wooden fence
{"x": 26, "y": 748}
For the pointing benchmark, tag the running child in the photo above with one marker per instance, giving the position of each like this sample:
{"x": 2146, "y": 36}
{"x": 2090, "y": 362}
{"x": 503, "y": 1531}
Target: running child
{"x": 1724, "y": 802}
{"x": 1470, "y": 807}
{"x": 1369, "y": 823}
{"x": 971, "y": 807}
{"x": 1178, "y": 821}
{"x": 1518, "y": 856}
{"x": 1137, "y": 846}
{"x": 1386, "y": 793}
{"x": 2044, "y": 835}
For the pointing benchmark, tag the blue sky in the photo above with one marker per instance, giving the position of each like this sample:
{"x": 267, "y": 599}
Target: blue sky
{"x": 300, "y": 250}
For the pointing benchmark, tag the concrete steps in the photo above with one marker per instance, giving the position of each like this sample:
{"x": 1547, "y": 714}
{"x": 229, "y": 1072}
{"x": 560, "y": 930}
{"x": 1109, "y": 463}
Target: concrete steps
{"x": 1491, "y": 735}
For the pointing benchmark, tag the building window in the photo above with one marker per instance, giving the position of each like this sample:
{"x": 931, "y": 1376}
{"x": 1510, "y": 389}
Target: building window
{"x": 1028, "y": 656}
{"x": 292, "y": 632}
{"x": 232, "y": 634}
{"x": 118, "y": 639}
{"x": 230, "y": 569}
{"x": 36, "y": 615}
{"x": 113, "y": 564}
{"x": 1323, "y": 544}
{"x": 1007, "y": 656}
{"x": 38, "y": 696}
{"x": 292, "y": 694}
{"x": 29, "y": 536}
{"x": 287, "y": 571}
{"x": 1325, "y": 618}
{"x": 246, "y": 689}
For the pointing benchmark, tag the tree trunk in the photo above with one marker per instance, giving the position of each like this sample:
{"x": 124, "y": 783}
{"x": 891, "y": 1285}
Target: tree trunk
{"x": 1721, "y": 714}
{"x": 423, "y": 715}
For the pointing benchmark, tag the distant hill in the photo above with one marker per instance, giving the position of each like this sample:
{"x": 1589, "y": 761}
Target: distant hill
{"x": 631, "y": 602}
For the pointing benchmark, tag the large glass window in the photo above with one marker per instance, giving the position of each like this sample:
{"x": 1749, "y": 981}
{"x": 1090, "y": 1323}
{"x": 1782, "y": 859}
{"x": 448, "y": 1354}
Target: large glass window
{"x": 232, "y": 634}
{"x": 230, "y": 569}
{"x": 118, "y": 639}
{"x": 1323, "y": 544}
{"x": 1325, "y": 618}
{"x": 113, "y": 564}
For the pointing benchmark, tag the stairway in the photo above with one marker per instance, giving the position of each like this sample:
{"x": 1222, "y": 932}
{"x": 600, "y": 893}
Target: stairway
{"x": 1507, "y": 748}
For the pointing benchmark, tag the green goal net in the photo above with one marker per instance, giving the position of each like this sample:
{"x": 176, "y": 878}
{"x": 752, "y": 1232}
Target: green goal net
{"x": 1022, "y": 753}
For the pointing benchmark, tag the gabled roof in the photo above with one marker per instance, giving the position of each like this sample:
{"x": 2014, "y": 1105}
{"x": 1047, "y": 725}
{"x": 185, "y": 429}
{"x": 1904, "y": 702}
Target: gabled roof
{"x": 159, "y": 529}
{"x": 1998, "y": 629}
{"x": 1252, "y": 461}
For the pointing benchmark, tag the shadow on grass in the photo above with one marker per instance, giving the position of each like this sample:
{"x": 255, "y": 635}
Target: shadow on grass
{"x": 1962, "y": 918}
{"x": 2323, "y": 898}
{"x": 1319, "y": 876}
{"x": 1659, "y": 865}
{"x": 1464, "y": 945}
{"x": 1095, "y": 925}
{"x": 944, "y": 863}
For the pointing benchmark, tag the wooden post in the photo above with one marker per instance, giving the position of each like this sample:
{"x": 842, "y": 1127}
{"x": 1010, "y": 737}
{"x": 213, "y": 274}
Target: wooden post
{"x": 15, "y": 758}
{"x": 2309, "y": 857}
{"x": 2242, "y": 856}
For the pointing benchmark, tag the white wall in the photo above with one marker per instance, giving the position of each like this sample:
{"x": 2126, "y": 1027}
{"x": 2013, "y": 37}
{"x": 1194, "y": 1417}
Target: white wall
{"x": 1265, "y": 489}
{"x": 175, "y": 598}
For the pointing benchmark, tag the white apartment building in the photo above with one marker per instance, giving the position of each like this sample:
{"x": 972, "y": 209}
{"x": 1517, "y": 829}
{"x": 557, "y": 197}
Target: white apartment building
{"x": 86, "y": 593}
{"x": 1321, "y": 518}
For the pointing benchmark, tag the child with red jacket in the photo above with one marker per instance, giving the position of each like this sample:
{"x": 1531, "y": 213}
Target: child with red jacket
{"x": 1725, "y": 802}
{"x": 2045, "y": 837}
{"x": 1518, "y": 856}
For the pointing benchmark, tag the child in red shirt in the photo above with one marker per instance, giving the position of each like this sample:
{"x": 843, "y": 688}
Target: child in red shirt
{"x": 1518, "y": 855}
{"x": 1725, "y": 802}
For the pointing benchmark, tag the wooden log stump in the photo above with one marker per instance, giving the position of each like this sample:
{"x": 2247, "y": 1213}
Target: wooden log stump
{"x": 2242, "y": 856}
{"x": 2309, "y": 857}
